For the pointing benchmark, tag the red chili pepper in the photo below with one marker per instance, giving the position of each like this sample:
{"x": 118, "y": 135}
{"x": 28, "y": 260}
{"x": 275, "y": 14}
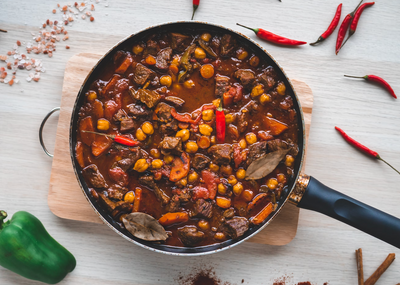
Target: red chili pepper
{"x": 344, "y": 27}
{"x": 117, "y": 139}
{"x": 354, "y": 23}
{"x": 378, "y": 80}
{"x": 220, "y": 123}
{"x": 332, "y": 26}
{"x": 362, "y": 147}
{"x": 196, "y": 4}
{"x": 182, "y": 118}
{"x": 273, "y": 38}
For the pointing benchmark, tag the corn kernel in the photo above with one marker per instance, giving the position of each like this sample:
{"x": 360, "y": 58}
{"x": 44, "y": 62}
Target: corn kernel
{"x": 251, "y": 138}
{"x": 140, "y": 135}
{"x": 183, "y": 134}
{"x": 204, "y": 225}
{"x": 214, "y": 167}
{"x": 103, "y": 124}
{"x": 243, "y": 143}
{"x": 191, "y": 147}
{"x": 192, "y": 177}
{"x": 237, "y": 189}
{"x": 265, "y": 98}
{"x": 91, "y": 96}
{"x": 241, "y": 174}
{"x": 207, "y": 115}
{"x": 205, "y": 129}
{"x": 199, "y": 53}
{"x": 147, "y": 128}
{"x": 289, "y": 160}
{"x": 281, "y": 88}
{"x": 257, "y": 90}
{"x": 232, "y": 179}
{"x": 141, "y": 165}
{"x": 157, "y": 163}
{"x": 229, "y": 118}
{"x": 189, "y": 84}
{"x": 221, "y": 189}
{"x": 205, "y": 37}
{"x": 272, "y": 183}
{"x": 168, "y": 159}
{"x": 137, "y": 49}
{"x": 166, "y": 80}
{"x": 129, "y": 197}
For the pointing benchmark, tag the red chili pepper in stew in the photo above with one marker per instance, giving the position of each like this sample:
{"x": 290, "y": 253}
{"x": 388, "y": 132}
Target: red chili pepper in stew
{"x": 220, "y": 123}
{"x": 273, "y": 38}
{"x": 344, "y": 27}
{"x": 332, "y": 26}
{"x": 362, "y": 147}
{"x": 378, "y": 80}
{"x": 196, "y": 4}
{"x": 354, "y": 23}
{"x": 117, "y": 139}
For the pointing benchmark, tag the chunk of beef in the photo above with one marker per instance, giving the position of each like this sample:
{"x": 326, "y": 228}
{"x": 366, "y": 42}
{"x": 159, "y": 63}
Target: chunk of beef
{"x": 229, "y": 213}
{"x": 267, "y": 81}
{"x": 107, "y": 203}
{"x": 227, "y": 44}
{"x": 215, "y": 44}
{"x": 163, "y": 58}
{"x": 128, "y": 161}
{"x": 93, "y": 175}
{"x": 163, "y": 112}
{"x": 117, "y": 192}
{"x": 246, "y": 77}
{"x": 150, "y": 183}
{"x": 190, "y": 235}
{"x": 200, "y": 161}
{"x": 243, "y": 121}
{"x": 148, "y": 97}
{"x": 142, "y": 74}
{"x": 276, "y": 144}
{"x": 202, "y": 209}
{"x": 151, "y": 47}
{"x": 127, "y": 124}
{"x": 221, "y": 85}
{"x": 178, "y": 41}
{"x": 175, "y": 100}
{"x": 173, "y": 204}
{"x": 221, "y": 153}
{"x": 181, "y": 196}
{"x": 138, "y": 110}
{"x": 256, "y": 150}
{"x": 171, "y": 145}
{"x": 239, "y": 155}
{"x": 118, "y": 176}
{"x": 121, "y": 207}
{"x": 235, "y": 227}
{"x": 119, "y": 116}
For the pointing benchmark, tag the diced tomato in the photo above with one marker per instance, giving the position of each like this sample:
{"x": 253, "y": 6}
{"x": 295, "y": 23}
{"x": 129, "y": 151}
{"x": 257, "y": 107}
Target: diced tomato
{"x": 264, "y": 136}
{"x": 199, "y": 192}
{"x": 238, "y": 155}
{"x": 211, "y": 180}
{"x": 110, "y": 108}
{"x": 121, "y": 85}
{"x": 119, "y": 176}
{"x": 228, "y": 97}
{"x": 239, "y": 93}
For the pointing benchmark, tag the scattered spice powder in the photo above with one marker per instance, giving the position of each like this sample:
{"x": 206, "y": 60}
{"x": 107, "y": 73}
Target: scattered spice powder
{"x": 203, "y": 277}
{"x": 43, "y": 42}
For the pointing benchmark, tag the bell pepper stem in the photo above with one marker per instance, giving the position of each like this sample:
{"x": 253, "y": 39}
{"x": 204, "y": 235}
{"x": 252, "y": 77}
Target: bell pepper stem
{"x": 3, "y": 216}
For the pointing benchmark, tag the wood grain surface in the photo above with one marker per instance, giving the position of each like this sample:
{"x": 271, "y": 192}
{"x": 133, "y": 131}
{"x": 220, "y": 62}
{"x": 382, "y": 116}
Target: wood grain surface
{"x": 66, "y": 199}
{"x": 323, "y": 249}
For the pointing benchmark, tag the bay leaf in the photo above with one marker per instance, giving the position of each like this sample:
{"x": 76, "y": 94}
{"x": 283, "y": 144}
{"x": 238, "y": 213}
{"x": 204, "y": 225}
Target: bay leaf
{"x": 144, "y": 226}
{"x": 264, "y": 165}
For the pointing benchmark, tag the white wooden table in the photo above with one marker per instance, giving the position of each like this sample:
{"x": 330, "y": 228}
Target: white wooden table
{"x": 323, "y": 249}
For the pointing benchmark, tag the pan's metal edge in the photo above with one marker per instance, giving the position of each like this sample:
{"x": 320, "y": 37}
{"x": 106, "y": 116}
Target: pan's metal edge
{"x": 158, "y": 250}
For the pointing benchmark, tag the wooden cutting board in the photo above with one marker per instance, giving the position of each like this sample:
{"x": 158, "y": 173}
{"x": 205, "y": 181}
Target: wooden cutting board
{"x": 66, "y": 199}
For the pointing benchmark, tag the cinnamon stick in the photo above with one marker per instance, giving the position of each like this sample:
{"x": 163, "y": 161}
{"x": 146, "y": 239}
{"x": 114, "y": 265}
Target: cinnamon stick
{"x": 360, "y": 268}
{"x": 4, "y": 31}
{"x": 381, "y": 269}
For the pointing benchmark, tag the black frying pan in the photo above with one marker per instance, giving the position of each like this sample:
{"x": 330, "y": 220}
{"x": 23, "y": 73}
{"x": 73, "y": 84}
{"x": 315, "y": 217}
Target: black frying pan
{"x": 304, "y": 191}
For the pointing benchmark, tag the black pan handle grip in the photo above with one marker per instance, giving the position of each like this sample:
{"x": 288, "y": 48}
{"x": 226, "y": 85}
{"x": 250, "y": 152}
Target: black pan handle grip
{"x": 325, "y": 200}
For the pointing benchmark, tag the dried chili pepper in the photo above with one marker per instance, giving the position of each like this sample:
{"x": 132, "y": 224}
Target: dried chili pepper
{"x": 332, "y": 26}
{"x": 344, "y": 27}
{"x": 4, "y": 31}
{"x": 378, "y": 80}
{"x": 117, "y": 139}
{"x": 362, "y": 147}
{"x": 273, "y": 38}
{"x": 196, "y": 4}
{"x": 354, "y": 22}
{"x": 220, "y": 123}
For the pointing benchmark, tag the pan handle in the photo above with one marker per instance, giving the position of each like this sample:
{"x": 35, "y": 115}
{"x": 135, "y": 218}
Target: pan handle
{"x": 322, "y": 199}
{"x": 41, "y": 130}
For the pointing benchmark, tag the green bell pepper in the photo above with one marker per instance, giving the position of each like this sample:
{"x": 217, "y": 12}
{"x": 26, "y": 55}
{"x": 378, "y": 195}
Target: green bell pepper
{"x": 27, "y": 249}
